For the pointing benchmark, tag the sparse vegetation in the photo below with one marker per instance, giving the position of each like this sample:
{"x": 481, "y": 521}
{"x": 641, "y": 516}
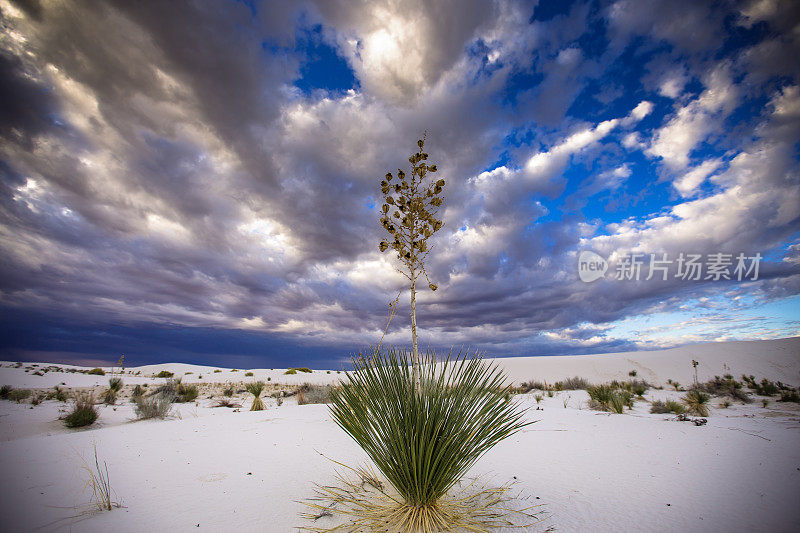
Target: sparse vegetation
{"x": 18, "y": 395}
{"x": 291, "y": 371}
{"x": 5, "y": 390}
{"x": 165, "y": 374}
{"x": 696, "y": 402}
{"x": 248, "y": 374}
{"x": 632, "y": 373}
{"x": 790, "y": 396}
{"x": 227, "y": 391}
{"x": 96, "y": 372}
{"x": 83, "y": 412}
{"x": 609, "y": 397}
{"x": 217, "y": 371}
{"x": 308, "y": 394}
{"x": 110, "y": 397}
{"x": 138, "y": 392}
{"x": 573, "y": 383}
{"x": 725, "y": 386}
{"x": 255, "y": 388}
{"x": 156, "y": 405}
{"x": 227, "y": 402}
{"x": 538, "y": 398}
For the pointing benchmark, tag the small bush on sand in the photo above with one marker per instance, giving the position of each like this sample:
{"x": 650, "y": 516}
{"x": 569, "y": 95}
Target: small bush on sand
{"x": 638, "y": 390}
{"x": 725, "y": 386}
{"x": 575, "y": 383}
{"x": 608, "y": 397}
{"x": 5, "y": 390}
{"x": 138, "y": 392}
{"x": 83, "y": 412}
{"x": 154, "y": 406}
{"x": 96, "y": 372}
{"x": 538, "y": 398}
{"x": 527, "y": 386}
{"x": 291, "y": 371}
{"x": 228, "y": 391}
{"x": 675, "y": 407}
{"x": 313, "y": 394}
{"x": 696, "y": 402}
{"x": 248, "y": 374}
{"x": 304, "y": 369}
{"x": 217, "y": 371}
{"x": 18, "y": 395}
{"x": 632, "y": 373}
{"x": 110, "y": 397}
{"x": 616, "y": 404}
{"x": 187, "y": 393}
{"x": 790, "y": 396}
{"x": 164, "y": 374}
{"x": 255, "y": 389}
{"x": 227, "y": 402}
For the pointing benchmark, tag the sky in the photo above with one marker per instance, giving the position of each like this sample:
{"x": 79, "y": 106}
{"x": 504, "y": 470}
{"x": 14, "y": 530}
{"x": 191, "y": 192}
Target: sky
{"x": 199, "y": 181}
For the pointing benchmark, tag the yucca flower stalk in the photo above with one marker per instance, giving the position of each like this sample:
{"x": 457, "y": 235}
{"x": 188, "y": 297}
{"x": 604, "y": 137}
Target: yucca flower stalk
{"x": 423, "y": 440}
{"x": 255, "y": 388}
{"x": 408, "y": 214}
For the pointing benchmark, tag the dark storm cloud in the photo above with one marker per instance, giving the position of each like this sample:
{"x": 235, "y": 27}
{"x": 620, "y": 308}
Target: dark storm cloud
{"x": 159, "y": 167}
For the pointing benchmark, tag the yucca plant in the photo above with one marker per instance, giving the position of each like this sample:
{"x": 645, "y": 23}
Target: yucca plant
{"x": 255, "y": 388}
{"x": 696, "y": 401}
{"x": 423, "y": 440}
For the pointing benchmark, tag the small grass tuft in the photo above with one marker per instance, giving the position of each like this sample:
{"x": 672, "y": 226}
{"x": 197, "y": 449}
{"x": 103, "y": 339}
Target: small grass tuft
{"x": 248, "y": 374}
{"x": 165, "y": 374}
{"x": 96, "y": 372}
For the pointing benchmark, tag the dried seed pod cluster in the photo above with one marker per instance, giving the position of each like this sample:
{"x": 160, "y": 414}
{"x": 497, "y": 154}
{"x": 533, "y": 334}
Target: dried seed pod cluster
{"x": 409, "y": 211}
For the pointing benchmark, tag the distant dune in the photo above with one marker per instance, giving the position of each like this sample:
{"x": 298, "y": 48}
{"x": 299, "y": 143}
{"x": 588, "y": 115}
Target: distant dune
{"x": 772, "y": 359}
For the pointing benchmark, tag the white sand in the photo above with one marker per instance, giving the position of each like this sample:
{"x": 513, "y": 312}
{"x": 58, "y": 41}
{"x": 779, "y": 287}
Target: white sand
{"x": 245, "y": 471}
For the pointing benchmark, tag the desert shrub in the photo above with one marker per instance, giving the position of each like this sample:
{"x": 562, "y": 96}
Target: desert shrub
{"x": 187, "y": 393}
{"x": 457, "y": 414}
{"x": 291, "y": 371}
{"x": 574, "y": 383}
{"x": 675, "y": 407}
{"x": 725, "y": 386}
{"x": 725, "y": 404}
{"x": 38, "y": 398}
{"x": 97, "y": 372}
{"x": 228, "y": 391}
{"x": 165, "y": 374}
{"x": 658, "y": 407}
{"x": 255, "y": 388}
{"x": 234, "y": 370}
{"x": 154, "y": 405}
{"x": 538, "y": 398}
{"x": 5, "y": 390}
{"x": 115, "y": 384}
{"x": 632, "y": 373}
{"x": 188, "y": 373}
{"x": 248, "y": 374}
{"x": 110, "y": 397}
{"x": 217, "y": 371}
{"x": 227, "y": 402}
{"x": 304, "y": 369}
{"x": 766, "y": 388}
{"x": 38, "y": 373}
{"x": 601, "y": 394}
{"x": 18, "y": 395}
{"x": 313, "y": 394}
{"x": 550, "y": 393}
{"x": 83, "y": 412}
{"x": 138, "y": 392}
{"x": 697, "y": 402}
{"x": 527, "y": 386}
{"x": 765, "y": 402}
{"x": 790, "y": 396}
{"x": 638, "y": 389}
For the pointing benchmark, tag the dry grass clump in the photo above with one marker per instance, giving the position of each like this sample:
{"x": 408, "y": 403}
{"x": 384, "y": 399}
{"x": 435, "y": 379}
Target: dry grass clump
{"x": 725, "y": 386}
{"x": 670, "y": 406}
{"x": 308, "y": 394}
{"x": 96, "y": 372}
{"x": 697, "y": 402}
{"x": 5, "y": 390}
{"x": 155, "y": 405}
{"x": 83, "y": 412}
{"x": 100, "y": 484}
{"x": 573, "y": 383}
{"x": 291, "y": 371}
{"x": 19, "y": 395}
{"x": 256, "y": 388}
{"x": 227, "y": 402}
